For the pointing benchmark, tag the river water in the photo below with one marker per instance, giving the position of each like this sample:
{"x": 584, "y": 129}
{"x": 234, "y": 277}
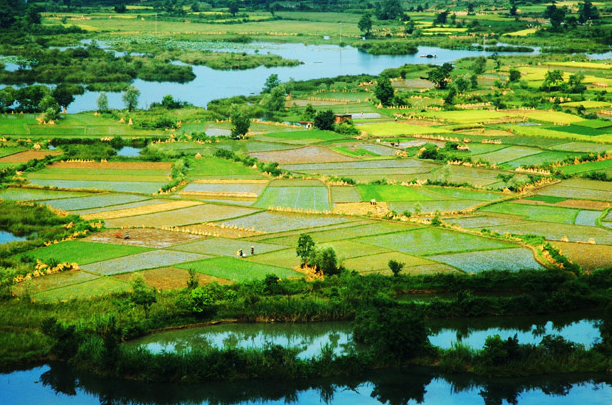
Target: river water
{"x": 57, "y": 384}
{"x": 319, "y": 61}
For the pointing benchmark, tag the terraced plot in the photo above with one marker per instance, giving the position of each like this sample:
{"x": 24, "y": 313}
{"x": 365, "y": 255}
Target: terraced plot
{"x": 95, "y": 201}
{"x": 552, "y": 231}
{"x": 94, "y": 288}
{"x": 379, "y": 263}
{"x": 141, "y": 210}
{"x": 141, "y": 261}
{"x": 221, "y": 189}
{"x": 303, "y": 198}
{"x": 180, "y": 217}
{"x": 345, "y": 194}
{"x": 504, "y": 259}
{"x": 34, "y": 194}
{"x": 83, "y": 252}
{"x": 590, "y": 257}
{"x": 534, "y": 212}
{"x": 233, "y": 269}
{"x": 53, "y": 281}
{"x": 227, "y": 247}
{"x": 431, "y": 241}
{"x": 308, "y": 154}
{"x": 507, "y": 154}
{"x": 152, "y": 238}
{"x": 210, "y": 167}
{"x": 580, "y": 189}
{"x": 120, "y": 186}
{"x": 170, "y": 278}
{"x": 273, "y": 222}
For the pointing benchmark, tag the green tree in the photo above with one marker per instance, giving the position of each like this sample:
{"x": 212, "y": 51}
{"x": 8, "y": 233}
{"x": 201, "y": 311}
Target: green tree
{"x": 275, "y": 100}
{"x": 479, "y": 65}
{"x": 241, "y": 120}
{"x": 474, "y": 81}
{"x": 384, "y": 91}
{"x": 556, "y": 16}
{"x": 50, "y": 107}
{"x": 271, "y": 82}
{"x": 391, "y": 332}
{"x": 325, "y": 120}
{"x": 365, "y": 24}
{"x": 441, "y": 17}
{"x": 326, "y": 261}
{"x": 7, "y": 98}
{"x": 396, "y": 267}
{"x": 587, "y": 11}
{"x": 142, "y": 295}
{"x": 440, "y": 76}
{"x": 33, "y": 15}
{"x": 309, "y": 113}
{"x": 130, "y": 97}
{"x": 305, "y": 248}
{"x": 233, "y": 7}
{"x": 514, "y": 76}
{"x": 169, "y": 102}
{"x": 552, "y": 80}
{"x": 575, "y": 84}
{"x": 449, "y": 100}
{"x": 202, "y": 302}
{"x": 102, "y": 102}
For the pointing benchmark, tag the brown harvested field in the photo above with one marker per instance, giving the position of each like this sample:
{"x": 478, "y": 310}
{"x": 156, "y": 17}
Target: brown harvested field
{"x": 154, "y": 238}
{"x": 143, "y": 210}
{"x": 230, "y": 233}
{"x": 590, "y": 257}
{"x": 571, "y": 203}
{"x": 113, "y": 165}
{"x": 308, "y": 154}
{"x": 170, "y": 278}
{"x": 26, "y": 156}
{"x": 585, "y": 204}
{"x": 182, "y": 217}
{"x": 361, "y": 208}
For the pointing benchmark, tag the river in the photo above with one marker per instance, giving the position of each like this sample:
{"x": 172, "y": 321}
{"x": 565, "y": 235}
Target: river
{"x": 319, "y": 61}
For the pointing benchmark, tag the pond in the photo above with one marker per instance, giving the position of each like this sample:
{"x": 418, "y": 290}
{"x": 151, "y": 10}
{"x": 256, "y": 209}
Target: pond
{"x": 319, "y": 61}
{"x": 57, "y": 384}
{"x": 6, "y": 237}
{"x": 528, "y": 329}
{"x": 310, "y": 338}
{"x": 129, "y": 151}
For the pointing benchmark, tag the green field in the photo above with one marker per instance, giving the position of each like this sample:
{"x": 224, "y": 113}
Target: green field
{"x": 302, "y": 198}
{"x": 432, "y": 241}
{"x": 234, "y": 269}
{"x": 82, "y": 252}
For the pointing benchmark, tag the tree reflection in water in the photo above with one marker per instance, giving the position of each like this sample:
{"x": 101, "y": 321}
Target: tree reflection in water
{"x": 393, "y": 387}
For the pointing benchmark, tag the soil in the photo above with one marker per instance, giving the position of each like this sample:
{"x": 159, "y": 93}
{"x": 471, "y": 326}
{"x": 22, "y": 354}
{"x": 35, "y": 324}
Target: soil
{"x": 155, "y": 238}
{"x": 26, "y": 156}
{"x": 362, "y": 208}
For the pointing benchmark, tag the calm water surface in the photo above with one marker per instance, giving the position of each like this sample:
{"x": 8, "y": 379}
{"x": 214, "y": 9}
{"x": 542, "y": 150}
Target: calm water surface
{"x": 319, "y": 61}
{"x": 6, "y": 237}
{"x": 57, "y": 384}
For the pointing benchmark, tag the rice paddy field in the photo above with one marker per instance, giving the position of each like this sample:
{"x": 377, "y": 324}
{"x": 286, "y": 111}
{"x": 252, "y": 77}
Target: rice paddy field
{"x": 500, "y": 173}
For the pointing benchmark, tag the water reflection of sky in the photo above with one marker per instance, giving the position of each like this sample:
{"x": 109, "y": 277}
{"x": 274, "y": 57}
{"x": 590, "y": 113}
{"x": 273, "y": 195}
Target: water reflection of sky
{"x": 6, "y": 237}
{"x": 583, "y": 332}
{"x": 319, "y": 61}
